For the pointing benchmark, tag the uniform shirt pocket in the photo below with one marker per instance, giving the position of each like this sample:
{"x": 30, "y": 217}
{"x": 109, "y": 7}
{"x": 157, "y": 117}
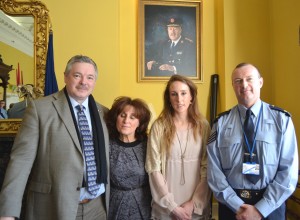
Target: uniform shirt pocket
{"x": 267, "y": 144}
{"x": 230, "y": 147}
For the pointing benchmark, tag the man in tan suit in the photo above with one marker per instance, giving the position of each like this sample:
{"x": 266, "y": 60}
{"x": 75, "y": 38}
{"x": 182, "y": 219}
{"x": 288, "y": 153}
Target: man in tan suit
{"x": 48, "y": 153}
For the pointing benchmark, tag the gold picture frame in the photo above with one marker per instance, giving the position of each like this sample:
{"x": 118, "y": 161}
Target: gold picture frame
{"x": 157, "y": 60}
{"x": 40, "y": 13}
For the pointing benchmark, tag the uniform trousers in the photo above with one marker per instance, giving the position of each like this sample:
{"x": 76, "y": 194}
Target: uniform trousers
{"x": 93, "y": 210}
{"x": 226, "y": 213}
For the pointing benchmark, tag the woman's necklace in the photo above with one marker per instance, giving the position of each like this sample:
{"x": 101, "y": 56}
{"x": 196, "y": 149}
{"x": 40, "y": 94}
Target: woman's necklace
{"x": 182, "y": 179}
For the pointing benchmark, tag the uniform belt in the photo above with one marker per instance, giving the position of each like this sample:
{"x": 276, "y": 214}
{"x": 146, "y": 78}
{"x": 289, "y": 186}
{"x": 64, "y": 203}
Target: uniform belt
{"x": 250, "y": 196}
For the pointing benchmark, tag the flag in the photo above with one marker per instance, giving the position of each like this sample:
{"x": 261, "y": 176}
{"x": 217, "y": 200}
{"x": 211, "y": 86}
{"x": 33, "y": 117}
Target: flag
{"x": 18, "y": 80}
{"x": 50, "y": 78}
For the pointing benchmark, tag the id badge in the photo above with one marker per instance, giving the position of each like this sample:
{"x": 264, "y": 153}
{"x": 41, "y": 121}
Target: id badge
{"x": 250, "y": 165}
{"x": 250, "y": 168}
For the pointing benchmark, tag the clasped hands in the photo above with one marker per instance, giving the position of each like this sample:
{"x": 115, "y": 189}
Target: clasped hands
{"x": 248, "y": 212}
{"x": 183, "y": 212}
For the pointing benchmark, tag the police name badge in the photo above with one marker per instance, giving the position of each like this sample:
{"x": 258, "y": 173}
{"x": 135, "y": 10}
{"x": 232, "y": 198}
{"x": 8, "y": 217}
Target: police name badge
{"x": 250, "y": 168}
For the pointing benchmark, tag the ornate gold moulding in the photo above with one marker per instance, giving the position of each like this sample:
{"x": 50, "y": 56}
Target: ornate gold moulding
{"x": 40, "y": 13}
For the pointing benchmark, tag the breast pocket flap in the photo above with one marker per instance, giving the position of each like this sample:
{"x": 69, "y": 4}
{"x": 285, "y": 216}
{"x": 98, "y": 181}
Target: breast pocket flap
{"x": 267, "y": 138}
{"x": 230, "y": 140}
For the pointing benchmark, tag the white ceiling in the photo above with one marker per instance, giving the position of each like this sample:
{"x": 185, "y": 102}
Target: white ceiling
{"x": 17, "y": 32}
{"x": 26, "y": 22}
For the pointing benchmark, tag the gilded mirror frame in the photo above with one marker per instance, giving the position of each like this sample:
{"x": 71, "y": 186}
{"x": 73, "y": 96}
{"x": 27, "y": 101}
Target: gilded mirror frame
{"x": 40, "y": 13}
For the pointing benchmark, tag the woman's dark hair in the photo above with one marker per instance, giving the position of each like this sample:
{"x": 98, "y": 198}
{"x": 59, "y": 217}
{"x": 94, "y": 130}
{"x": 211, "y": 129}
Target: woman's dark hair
{"x": 142, "y": 113}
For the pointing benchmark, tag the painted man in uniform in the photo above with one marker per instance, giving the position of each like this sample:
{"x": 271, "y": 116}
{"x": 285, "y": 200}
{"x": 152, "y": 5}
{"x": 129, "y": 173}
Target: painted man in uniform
{"x": 177, "y": 55}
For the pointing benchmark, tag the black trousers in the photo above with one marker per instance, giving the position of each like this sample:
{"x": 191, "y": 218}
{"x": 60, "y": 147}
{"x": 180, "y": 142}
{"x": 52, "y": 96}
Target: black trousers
{"x": 225, "y": 213}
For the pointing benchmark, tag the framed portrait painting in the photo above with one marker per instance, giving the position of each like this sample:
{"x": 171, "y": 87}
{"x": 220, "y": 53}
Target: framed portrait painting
{"x": 169, "y": 39}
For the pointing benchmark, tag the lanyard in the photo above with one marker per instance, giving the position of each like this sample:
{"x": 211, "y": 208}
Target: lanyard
{"x": 250, "y": 150}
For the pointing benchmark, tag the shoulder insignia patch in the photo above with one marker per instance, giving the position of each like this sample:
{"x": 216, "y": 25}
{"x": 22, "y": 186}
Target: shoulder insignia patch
{"x": 280, "y": 109}
{"x": 212, "y": 137}
{"x": 221, "y": 114}
{"x": 187, "y": 39}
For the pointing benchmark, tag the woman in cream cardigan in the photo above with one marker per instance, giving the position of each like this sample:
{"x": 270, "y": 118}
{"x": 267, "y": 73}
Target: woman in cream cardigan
{"x": 176, "y": 155}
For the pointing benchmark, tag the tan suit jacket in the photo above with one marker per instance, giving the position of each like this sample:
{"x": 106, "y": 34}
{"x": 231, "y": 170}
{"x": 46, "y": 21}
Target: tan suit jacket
{"x": 47, "y": 148}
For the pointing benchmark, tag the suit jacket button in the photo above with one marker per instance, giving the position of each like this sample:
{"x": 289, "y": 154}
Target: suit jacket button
{"x": 78, "y": 188}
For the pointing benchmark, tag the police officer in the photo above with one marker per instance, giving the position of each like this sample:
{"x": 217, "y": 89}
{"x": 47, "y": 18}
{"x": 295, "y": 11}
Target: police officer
{"x": 251, "y": 177}
{"x": 177, "y": 55}
{"x": 3, "y": 112}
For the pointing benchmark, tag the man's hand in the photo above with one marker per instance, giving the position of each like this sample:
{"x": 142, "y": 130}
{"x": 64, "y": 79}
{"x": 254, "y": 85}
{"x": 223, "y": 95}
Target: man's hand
{"x": 167, "y": 67}
{"x": 150, "y": 64}
{"x": 248, "y": 212}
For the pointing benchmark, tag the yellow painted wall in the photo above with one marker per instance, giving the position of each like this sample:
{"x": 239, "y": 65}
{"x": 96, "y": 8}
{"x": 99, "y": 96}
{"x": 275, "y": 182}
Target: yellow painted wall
{"x": 285, "y": 30}
{"x": 246, "y": 39}
{"x": 107, "y": 31}
{"x": 265, "y": 33}
{"x": 90, "y": 28}
{"x": 152, "y": 92}
{"x": 285, "y": 57}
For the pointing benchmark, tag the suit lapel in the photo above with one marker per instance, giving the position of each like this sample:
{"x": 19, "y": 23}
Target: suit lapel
{"x": 63, "y": 110}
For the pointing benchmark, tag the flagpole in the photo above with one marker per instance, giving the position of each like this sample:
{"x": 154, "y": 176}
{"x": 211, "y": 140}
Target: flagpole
{"x": 22, "y": 77}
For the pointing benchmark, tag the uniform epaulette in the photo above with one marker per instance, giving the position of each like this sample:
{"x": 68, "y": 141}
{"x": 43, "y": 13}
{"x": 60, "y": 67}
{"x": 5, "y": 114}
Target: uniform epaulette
{"x": 280, "y": 109}
{"x": 221, "y": 114}
{"x": 188, "y": 39}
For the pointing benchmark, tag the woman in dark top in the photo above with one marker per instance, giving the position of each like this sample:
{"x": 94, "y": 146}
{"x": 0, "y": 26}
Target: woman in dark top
{"x": 127, "y": 122}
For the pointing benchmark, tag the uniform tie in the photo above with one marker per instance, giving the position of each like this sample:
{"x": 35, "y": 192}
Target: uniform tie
{"x": 88, "y": 151}
{"x": 249, "y": 132}
{"x": 249, "y": 127}
{"x": 172, "y": 47}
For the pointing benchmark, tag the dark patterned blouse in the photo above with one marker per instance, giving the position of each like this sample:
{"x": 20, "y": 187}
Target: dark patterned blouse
{"x": 130, "y": 196}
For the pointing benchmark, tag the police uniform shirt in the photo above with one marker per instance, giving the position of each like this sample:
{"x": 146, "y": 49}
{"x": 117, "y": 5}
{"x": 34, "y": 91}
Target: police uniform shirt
{"x": 276, "y": 146}
{"x": 182, "y": 57}
{"x": 3, "y": 114}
